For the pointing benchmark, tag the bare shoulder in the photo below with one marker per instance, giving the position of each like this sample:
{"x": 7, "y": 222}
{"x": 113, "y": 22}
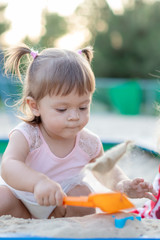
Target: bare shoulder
{"x": 17, "y": 147}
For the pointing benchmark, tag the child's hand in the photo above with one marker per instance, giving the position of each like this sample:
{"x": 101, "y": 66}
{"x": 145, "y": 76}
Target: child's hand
{"x": 48, "y": 192}
{"x": 137, "y": 188}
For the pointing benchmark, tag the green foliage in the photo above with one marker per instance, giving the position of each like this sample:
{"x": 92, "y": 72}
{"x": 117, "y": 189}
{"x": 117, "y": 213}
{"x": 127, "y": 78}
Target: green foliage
{"x": 126, "y": 45}
{"x": 4, "y": 25}
{"x": 54, "y": 27}
{"x": 94, "y": 14}
{"x": 130, "y": 45}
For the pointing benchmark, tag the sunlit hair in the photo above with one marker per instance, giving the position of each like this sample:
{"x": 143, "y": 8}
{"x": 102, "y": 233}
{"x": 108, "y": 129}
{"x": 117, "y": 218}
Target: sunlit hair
{"x": 52, "y": 72}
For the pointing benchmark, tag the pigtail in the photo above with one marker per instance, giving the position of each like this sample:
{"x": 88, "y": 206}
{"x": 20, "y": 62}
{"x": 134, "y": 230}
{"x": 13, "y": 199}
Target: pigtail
{"x": 13, "y": 57}
{"x": 88, "y": 52}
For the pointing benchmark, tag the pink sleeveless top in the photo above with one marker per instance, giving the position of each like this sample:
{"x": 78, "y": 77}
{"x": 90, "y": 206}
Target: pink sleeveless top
{"x": 41, "y": 159}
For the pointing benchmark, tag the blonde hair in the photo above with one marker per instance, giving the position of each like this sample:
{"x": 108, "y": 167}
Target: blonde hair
{"x": 52, "y": 71}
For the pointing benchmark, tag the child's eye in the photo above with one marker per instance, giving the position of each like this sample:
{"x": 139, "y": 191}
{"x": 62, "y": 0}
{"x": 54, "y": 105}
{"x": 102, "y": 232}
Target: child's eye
{"x": 61, "y": 110}
{"x": 83, "y": 108}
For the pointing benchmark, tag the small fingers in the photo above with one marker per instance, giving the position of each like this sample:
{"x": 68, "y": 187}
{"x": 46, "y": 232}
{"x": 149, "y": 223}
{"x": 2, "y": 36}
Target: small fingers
{"x": 152, "y": 190}
{"x": 46, "y": 202}
{"x": 52, "y": 199}
{"x": 137, "y": 181}
{"x": 59, "y": 198}
{"x": 40, "y": 201}
{"x": 43, "y": 201}
{"x": 150, "y": 196}
{"x": 147, "y": 187}
{"x": 56, "y": 198}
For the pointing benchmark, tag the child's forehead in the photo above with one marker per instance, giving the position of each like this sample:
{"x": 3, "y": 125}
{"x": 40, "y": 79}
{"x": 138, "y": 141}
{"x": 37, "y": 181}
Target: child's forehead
{"x": 73, "y": 97}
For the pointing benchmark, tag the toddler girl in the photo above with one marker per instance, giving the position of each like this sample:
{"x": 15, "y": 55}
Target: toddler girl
{"x": 47, "y": 151}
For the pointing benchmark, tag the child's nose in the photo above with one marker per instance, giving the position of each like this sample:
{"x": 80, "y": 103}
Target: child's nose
{"x": 73, "y": 115}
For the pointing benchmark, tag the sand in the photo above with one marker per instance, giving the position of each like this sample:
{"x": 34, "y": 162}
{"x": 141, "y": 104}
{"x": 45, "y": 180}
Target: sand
{"x": 91, "y": 226}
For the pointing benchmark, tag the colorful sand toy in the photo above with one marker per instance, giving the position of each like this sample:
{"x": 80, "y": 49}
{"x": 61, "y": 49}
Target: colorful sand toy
{"x": 107, "y": 202}
{"x": 120, "y": 222}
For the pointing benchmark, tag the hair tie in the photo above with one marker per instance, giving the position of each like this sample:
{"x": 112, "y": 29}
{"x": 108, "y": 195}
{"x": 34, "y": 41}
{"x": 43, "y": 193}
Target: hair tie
{"x": 79, "y": 51}
{"x": 34, "y": 54}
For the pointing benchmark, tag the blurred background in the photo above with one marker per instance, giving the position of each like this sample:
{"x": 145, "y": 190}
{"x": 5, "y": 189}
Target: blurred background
{"x": 125, "y": 35}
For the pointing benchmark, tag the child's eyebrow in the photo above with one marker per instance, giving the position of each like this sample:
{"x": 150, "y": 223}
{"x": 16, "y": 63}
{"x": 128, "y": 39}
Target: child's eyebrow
{"x": 67, "y": 103}
{"x": 86, "y": 101}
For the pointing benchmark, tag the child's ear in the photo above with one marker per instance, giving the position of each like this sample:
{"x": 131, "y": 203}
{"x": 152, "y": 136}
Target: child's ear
{"x": 33, "y": 105}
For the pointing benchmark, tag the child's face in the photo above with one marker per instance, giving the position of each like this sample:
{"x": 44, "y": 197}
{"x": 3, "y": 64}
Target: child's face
{"x": 64, "y": 116}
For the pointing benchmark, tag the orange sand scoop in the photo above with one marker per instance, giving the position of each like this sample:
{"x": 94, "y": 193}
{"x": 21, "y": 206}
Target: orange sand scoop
{"x": 107, "y": 202}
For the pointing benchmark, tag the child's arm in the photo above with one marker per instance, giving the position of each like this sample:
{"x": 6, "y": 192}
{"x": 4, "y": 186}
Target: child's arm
{"x": 19, "y": 176}
{"x": 116, "y": 180}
